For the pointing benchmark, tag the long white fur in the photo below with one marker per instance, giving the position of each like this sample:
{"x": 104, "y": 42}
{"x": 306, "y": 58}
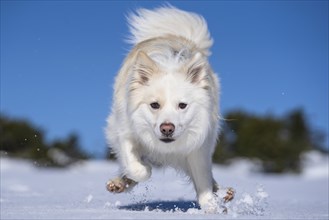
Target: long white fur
{"x": 146, "y": 24}
{"x": 133, "y": 127}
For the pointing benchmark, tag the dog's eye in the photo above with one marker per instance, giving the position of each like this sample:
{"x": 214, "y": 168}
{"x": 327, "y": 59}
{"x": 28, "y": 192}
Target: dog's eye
{"x": 182, "y": 105}
{"x": 155, "y": 105}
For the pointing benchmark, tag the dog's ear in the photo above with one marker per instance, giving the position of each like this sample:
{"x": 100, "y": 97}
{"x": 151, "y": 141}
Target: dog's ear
{"x": 197, "y": 69}
{"x": 145, "y": 67}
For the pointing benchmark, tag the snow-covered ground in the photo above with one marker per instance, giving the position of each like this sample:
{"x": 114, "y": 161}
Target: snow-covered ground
{"x": 79, "y": 192}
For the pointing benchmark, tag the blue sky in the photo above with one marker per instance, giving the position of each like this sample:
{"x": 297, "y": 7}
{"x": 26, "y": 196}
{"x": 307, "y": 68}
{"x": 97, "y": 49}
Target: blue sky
{"x": 59, "y": 59}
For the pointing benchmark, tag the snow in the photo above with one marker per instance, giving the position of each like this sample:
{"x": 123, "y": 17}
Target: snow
{"x": 28, "y": 192}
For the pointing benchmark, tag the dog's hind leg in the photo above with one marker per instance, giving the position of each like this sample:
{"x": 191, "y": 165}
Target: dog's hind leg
{"x": 120, "y": 184}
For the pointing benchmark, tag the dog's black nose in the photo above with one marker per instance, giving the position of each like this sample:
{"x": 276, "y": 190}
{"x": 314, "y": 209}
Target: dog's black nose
{"x": 167, "y": 129}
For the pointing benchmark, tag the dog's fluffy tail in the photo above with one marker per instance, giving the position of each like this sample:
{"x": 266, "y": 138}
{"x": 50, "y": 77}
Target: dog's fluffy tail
{"x": 146, "y": 24}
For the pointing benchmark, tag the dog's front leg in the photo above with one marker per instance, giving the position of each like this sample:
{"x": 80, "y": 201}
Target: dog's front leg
{"x": 199, "y": 169}
{"x": 130, "y": 162}
{"x": 132, "y": 169}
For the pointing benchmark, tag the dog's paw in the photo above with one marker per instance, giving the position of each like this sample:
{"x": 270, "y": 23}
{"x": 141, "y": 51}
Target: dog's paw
{"x": 139, "y": 172}
{"x": 230, "y": 192}
{"x": 119, "y": 184}
{"x": 116, "y": 185}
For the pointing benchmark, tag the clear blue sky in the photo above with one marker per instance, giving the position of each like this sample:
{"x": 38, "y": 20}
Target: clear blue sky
{"x": 59, "y": 59}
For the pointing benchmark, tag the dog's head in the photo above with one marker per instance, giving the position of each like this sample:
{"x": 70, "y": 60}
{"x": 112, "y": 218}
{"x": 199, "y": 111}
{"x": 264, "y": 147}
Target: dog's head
{"x": 171, "y": 101}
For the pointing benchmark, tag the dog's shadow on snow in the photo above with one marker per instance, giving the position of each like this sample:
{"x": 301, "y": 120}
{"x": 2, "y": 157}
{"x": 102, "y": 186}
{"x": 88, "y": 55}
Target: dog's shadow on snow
{"x": 164, "y": 206}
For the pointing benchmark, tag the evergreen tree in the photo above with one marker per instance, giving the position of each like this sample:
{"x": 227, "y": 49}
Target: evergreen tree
{"x": 277, "y": 143}
{"x": 19, "y": 138}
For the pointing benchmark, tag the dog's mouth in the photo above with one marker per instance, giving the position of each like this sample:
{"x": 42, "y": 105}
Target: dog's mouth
{"x": 167, "y": 140}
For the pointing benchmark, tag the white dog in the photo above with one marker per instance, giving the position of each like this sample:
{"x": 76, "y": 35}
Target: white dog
{"x": 165, "y": 105}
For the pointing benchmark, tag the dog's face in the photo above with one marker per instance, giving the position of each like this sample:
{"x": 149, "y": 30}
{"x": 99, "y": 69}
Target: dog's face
{"x": 169, "y": 103}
